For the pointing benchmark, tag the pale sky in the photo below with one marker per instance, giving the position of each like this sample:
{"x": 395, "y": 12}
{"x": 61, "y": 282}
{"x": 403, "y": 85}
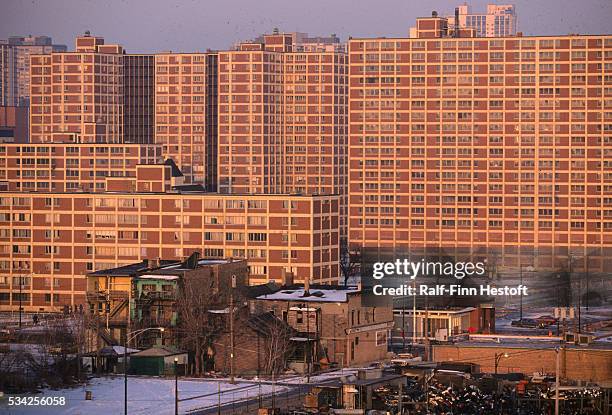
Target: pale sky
{"x": 196, "y": 25}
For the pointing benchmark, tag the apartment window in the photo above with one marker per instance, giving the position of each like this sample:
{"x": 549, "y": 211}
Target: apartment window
{"x": 258, "y": 237}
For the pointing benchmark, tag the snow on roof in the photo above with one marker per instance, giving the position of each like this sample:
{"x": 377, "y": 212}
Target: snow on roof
{"x": 159, "y": 277}
{"x": 121, "y": 350}
{"x": 213, "y": 261}
{"x": 319, "y": 295}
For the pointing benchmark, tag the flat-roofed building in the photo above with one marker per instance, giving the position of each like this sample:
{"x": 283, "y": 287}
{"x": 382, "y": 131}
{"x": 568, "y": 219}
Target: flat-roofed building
{"x": 499, "y": 20}
{"x": 49, "y": 241}
{"x": 70, "y": 167}
{"x": 15, "y": 66}
{"x": 283, "y": 116}
{"x": 78, "y": 96}
{"x": 180, "y": 111}
{"x": 493, "y": 146}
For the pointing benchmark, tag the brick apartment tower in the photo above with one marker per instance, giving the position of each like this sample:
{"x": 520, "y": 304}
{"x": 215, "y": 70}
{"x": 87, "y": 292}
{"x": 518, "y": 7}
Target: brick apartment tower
{"x": 180, "y": 110}
{"x": 488, "y": 145}
{"x": 283, "y": 116}
{"x": 78, "y": 96}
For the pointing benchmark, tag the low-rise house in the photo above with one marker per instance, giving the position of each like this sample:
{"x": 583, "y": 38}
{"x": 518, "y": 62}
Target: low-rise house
{"x": 333, "y": 327}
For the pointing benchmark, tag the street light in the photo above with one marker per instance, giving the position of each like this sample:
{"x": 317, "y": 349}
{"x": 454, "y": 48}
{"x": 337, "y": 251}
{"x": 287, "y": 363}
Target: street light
{"x": 21, "y": 277}
{"x": 498, "y": 357}
{"x": 129, "y": 336}
{"x": 176, "y": 400}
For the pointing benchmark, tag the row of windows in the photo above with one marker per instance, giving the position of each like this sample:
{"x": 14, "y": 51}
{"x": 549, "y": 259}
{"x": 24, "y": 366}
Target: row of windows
{"x": 509, "y": 44}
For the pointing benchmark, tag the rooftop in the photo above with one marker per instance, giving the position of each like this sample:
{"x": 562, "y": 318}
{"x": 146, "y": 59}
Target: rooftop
{"x": 158, "y": 351}
{"x": 166, "y": 269}
{"x": 316, "y": 294}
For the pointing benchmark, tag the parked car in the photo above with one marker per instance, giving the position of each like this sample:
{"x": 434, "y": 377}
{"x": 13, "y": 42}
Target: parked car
{"x": 527, "y": 323}
{"x": 546, "y": 320}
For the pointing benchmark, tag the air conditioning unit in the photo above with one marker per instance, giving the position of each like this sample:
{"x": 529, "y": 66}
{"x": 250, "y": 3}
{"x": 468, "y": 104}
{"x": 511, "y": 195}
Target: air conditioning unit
{"x": 442, "y": 335}
{"x": 578, "y": 338}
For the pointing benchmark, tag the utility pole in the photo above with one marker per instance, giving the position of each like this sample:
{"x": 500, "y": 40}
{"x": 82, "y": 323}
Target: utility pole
{"x": 414, "y": 318}
{"x": 20, "y": 300}
{"x": 231, "y": 313}
{"x": 521, "y": 303}
{"x": 587, "y": 281}
{"x": 307, "y": 348}
{"x": 557, "y": 364}
{"x": 404, "y": 324}
{"x": 400, "y": 399}
{"x": 219, "y": 398}
{"x": 176, "y": 398}
{"x": 580, "y": 303}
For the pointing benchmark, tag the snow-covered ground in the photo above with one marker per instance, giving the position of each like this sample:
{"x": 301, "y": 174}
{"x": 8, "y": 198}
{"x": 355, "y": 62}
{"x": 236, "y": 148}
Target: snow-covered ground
{"x": 146, "y": 396}
{"x": 151, "y": 395}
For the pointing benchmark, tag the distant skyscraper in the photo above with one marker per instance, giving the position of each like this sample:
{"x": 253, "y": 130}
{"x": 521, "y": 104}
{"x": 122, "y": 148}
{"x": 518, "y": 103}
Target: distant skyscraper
{"x": 15, "y": 66}
{"x": 498, "y": 21}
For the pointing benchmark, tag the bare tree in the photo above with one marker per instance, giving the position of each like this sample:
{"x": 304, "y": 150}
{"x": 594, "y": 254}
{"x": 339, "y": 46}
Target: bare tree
{"x": 197, "y": 327}
{"x": 277, "y": 345}
{"x": 349, "y": 261}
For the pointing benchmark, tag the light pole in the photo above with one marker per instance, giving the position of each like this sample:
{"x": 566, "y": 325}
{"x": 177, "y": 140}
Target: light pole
{"x": 129, "y": 336}
{"x": 557, "y": 384}
{"x": 232, "y": 342}
{"x": 498, "y": 357}
{"x": 176, "y": 400}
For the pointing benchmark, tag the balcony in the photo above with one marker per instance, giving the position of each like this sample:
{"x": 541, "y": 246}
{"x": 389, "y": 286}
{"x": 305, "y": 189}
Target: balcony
{"x": 104, "y": 295}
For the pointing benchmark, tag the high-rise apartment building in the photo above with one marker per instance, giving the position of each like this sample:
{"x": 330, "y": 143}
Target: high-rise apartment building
{"x": 8, "y": 75}
{"x": 484, "y": 145}
{"x": 78, "y": 96}
{"x": 180, "y": 110}
{"x": 250, "y": 120}
{"x": 15, "y": 66}
{"x": 49, "y": 241}
{"x": 498, "y": 21}
{"x": 283, "y": 116}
